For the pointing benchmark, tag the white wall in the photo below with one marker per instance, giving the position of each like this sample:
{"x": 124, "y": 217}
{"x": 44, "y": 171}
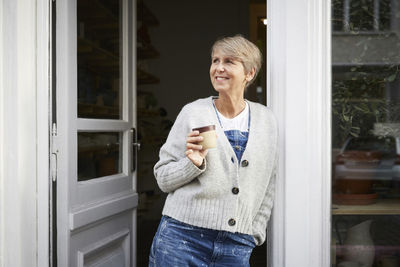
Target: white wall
{"x": 1, "y": 137}
{"x": 18, "y": 148}
{"x": 300, "y": 66}
{"x": 184, "y": 38}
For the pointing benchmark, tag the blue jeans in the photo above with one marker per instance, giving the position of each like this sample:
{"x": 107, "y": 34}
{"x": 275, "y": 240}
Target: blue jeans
{"x": 181, "y": 245}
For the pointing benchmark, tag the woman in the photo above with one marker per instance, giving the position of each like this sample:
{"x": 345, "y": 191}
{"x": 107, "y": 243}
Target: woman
{"x": 219, "y": 200}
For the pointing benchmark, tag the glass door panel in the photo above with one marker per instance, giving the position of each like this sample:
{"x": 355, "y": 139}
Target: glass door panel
{"x": 365, "y": 133}
{"x": 99, "y": 154}
{"x": 99, "y": 59}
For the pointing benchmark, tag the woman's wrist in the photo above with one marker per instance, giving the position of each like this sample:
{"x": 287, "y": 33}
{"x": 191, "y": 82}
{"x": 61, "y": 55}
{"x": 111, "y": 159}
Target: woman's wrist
{"x": 202, "y": 165}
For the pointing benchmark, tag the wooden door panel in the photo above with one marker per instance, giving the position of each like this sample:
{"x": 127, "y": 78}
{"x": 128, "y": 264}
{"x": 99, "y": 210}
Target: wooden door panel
{"x": 91, "y": 213}
{"x": 96, "y": 196}
{"x": 107, "y": 243}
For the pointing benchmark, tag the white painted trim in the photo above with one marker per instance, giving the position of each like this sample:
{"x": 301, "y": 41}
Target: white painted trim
{"x": 319, "y": 131}
{"x": 299, "y": 83}
{"x": 66, "y": 121}
{"x": 276, "y": 82}
{"x": 2, "y": 158}
{"x": 19, "y": 134}
{"x": 95, "y": 125}
{"x": 121, "y": 237}
{"x": 87, "y": 214}
{"x": 268, "y": 56}
{"x": 43, "y": 130}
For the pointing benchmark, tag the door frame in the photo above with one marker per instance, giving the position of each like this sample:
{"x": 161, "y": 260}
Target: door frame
{"x": 283, "y": 16}
{"x": 43, "y": 109}
{"x": 299, "y": 83}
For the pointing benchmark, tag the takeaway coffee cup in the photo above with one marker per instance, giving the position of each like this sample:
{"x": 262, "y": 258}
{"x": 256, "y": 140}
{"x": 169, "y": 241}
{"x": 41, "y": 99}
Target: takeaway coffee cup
{"x": 209, "y": 136}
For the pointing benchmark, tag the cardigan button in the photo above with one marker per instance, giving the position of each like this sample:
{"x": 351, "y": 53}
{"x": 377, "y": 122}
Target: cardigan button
{"x": 235, "y": 190}
{"x": 245, "y": 163}
{"x": 231, "y": 222}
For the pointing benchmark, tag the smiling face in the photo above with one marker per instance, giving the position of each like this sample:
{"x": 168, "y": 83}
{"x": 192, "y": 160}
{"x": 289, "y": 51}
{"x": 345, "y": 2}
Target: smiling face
{"x": 227, "y": 73}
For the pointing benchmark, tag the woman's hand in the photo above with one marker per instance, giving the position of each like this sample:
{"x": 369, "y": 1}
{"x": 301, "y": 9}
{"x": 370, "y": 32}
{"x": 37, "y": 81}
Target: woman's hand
{"x": 194, "y": 151}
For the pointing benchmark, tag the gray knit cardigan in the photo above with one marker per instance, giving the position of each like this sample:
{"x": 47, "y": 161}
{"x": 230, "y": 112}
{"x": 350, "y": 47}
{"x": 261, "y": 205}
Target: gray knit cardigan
{"x": 205, "y": 197}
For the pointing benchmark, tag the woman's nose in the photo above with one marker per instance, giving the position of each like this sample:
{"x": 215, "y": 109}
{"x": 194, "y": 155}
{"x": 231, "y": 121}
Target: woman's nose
{"x": 220, "y": 67}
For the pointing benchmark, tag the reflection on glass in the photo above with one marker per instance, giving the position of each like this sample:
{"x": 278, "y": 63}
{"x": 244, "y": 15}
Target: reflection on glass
{"x": 99, "y": 154}
{"x": 365, "y": 133}
{"x": 99, "y": 59}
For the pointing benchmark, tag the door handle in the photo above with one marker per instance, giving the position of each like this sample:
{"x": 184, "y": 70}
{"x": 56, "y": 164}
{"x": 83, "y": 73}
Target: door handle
{"x": 135, "y": 149}
{"x": 137, "y": 145}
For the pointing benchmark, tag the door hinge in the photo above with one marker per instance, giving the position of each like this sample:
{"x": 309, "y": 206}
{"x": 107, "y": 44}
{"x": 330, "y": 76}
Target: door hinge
{"x": 54, "y": 153}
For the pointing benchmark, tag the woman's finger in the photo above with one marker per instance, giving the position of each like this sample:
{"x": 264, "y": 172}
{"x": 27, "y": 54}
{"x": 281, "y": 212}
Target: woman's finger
{"x": 194, "y": 139}
{"x": 194, "y": 146}
{"x": 195, "y": 157}
{"x": 193, "y": 133}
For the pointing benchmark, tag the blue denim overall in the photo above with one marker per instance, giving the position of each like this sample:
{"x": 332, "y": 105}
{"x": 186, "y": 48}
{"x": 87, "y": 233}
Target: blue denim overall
{"x": 237, "y": 138}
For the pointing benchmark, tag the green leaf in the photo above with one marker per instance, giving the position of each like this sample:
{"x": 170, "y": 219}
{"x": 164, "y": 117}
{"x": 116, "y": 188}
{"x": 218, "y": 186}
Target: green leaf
{"x": 391, "y": 78}
{"x": 354, "y": 134}
{"x": 358, "y": 108}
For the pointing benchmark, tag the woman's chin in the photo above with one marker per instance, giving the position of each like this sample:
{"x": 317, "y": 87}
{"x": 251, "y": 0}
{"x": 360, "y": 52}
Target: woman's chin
{"x": 221, "y": 90}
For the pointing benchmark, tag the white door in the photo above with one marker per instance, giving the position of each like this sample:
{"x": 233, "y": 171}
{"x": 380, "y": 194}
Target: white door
{"x": 94, "y": 133}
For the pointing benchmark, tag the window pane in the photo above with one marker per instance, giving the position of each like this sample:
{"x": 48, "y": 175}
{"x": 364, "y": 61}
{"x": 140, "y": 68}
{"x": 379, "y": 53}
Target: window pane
{"x": 99, "y": 154}
{"x": 99, "y": 59}
{"x": 365, "y": 133}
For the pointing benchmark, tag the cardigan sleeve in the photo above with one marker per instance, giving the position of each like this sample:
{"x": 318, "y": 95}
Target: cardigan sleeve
{"x": 174, "y": 169}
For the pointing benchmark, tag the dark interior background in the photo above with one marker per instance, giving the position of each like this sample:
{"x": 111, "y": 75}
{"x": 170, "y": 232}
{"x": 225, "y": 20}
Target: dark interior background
{"x": 174, "y": 42}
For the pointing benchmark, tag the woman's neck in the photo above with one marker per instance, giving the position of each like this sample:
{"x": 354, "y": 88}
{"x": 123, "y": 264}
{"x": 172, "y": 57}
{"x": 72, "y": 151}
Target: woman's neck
{"x": 230, "y": 106}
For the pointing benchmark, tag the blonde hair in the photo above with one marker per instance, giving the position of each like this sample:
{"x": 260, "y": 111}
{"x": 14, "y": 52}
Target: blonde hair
{"x": 241, "y": 49}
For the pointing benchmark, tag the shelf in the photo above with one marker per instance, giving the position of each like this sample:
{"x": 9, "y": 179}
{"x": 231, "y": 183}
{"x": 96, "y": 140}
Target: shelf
{"x": 92, "y": 110}
{"x": 98, "y": 59}
{"x": 147, "y": 52}
{"x": 87, "y": 46}
{"x": 146, "y": 78}
{"x": 99, "y": 19}
{"x": 381, "y": 207}
{"x": 97, "y": 148}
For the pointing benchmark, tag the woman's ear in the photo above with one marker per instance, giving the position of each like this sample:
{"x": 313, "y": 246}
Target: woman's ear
{"x": 250, "y": 74}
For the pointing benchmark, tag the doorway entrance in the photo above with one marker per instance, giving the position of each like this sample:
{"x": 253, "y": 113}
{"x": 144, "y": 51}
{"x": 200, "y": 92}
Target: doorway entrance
{"x": 100, "y": 110}
{"x": 174, "y": 39}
